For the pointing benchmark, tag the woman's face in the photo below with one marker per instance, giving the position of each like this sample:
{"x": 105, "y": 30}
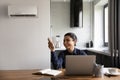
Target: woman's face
{"x": 69, "y": 42}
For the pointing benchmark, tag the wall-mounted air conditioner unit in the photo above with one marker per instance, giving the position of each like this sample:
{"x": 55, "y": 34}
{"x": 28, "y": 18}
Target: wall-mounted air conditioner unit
{"x": 22, "y": 10}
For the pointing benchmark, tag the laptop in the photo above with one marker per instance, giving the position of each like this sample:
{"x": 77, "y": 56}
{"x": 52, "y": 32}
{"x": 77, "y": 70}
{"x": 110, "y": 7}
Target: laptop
{"x": 80, "y": 64}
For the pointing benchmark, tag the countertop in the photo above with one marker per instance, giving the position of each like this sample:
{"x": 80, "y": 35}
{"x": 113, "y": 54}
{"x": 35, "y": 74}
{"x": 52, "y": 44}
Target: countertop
{"x": 102, "y": 50}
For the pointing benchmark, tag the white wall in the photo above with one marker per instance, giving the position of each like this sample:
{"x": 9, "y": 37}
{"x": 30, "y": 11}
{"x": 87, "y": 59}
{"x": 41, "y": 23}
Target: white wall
{"x": 23, "y": 40}
{"x": 60, "y": 21}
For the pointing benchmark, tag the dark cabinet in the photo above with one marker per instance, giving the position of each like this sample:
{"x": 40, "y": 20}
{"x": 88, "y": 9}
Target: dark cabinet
{"x": 102, "y": 59}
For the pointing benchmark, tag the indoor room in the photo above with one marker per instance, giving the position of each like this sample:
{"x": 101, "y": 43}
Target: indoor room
{"x": 32, "y": 30}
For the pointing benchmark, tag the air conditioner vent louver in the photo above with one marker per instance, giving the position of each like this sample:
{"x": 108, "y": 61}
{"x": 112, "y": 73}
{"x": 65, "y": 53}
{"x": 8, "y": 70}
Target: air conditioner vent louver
{"x": 23, "y": 15}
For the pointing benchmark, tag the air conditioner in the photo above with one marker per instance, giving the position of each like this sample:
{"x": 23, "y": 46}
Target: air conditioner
{"x": 22, "y": 10}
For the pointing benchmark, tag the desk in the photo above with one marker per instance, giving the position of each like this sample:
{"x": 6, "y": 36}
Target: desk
{"x": 27, "y": 75}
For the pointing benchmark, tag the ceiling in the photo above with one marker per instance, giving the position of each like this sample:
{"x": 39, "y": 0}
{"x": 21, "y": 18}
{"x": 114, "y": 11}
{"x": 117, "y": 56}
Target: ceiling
{"x": 69, "y": 0}
{"x": 99, "y": 2}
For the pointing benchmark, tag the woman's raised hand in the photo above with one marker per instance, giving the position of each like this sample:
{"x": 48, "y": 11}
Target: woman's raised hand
{"x": 51, "y": 45}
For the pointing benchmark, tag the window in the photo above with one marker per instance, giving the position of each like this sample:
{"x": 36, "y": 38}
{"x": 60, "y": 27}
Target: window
{"x": 105, "y": 24}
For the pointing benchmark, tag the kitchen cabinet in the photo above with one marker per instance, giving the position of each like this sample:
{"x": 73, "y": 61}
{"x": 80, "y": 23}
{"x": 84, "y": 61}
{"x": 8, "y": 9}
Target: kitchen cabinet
{"x": 101, "y": 58}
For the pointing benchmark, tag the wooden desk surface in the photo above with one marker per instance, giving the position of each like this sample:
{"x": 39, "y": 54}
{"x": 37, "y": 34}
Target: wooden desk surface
{"x": 27, "y": 75}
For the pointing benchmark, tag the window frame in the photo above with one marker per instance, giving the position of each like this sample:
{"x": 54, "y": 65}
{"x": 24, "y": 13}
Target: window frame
{"x": 105, "y": 43}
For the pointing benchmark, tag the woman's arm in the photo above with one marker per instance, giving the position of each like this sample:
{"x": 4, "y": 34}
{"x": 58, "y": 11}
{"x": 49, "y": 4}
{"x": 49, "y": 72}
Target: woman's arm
{"x": 56, "y": 61}
{"x": 51, "y": 45}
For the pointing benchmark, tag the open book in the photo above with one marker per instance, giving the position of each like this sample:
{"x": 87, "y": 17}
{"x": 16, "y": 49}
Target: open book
{"x": 50, "y": 72}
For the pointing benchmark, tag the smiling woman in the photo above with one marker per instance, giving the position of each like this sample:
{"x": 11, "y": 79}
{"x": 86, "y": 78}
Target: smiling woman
{"x": 69, "y": 42}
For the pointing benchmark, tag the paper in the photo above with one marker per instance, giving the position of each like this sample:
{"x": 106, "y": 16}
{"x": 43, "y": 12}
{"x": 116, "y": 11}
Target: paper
{"x": 50, "y": 72}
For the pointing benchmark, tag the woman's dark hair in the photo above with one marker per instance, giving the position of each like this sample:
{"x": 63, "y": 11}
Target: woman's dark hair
{"x": 72, "y": 35}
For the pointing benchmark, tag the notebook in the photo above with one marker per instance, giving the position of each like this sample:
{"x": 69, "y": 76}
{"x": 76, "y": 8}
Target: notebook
{"x": 50, "y": 72}
{"x": 80, "y": 64}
